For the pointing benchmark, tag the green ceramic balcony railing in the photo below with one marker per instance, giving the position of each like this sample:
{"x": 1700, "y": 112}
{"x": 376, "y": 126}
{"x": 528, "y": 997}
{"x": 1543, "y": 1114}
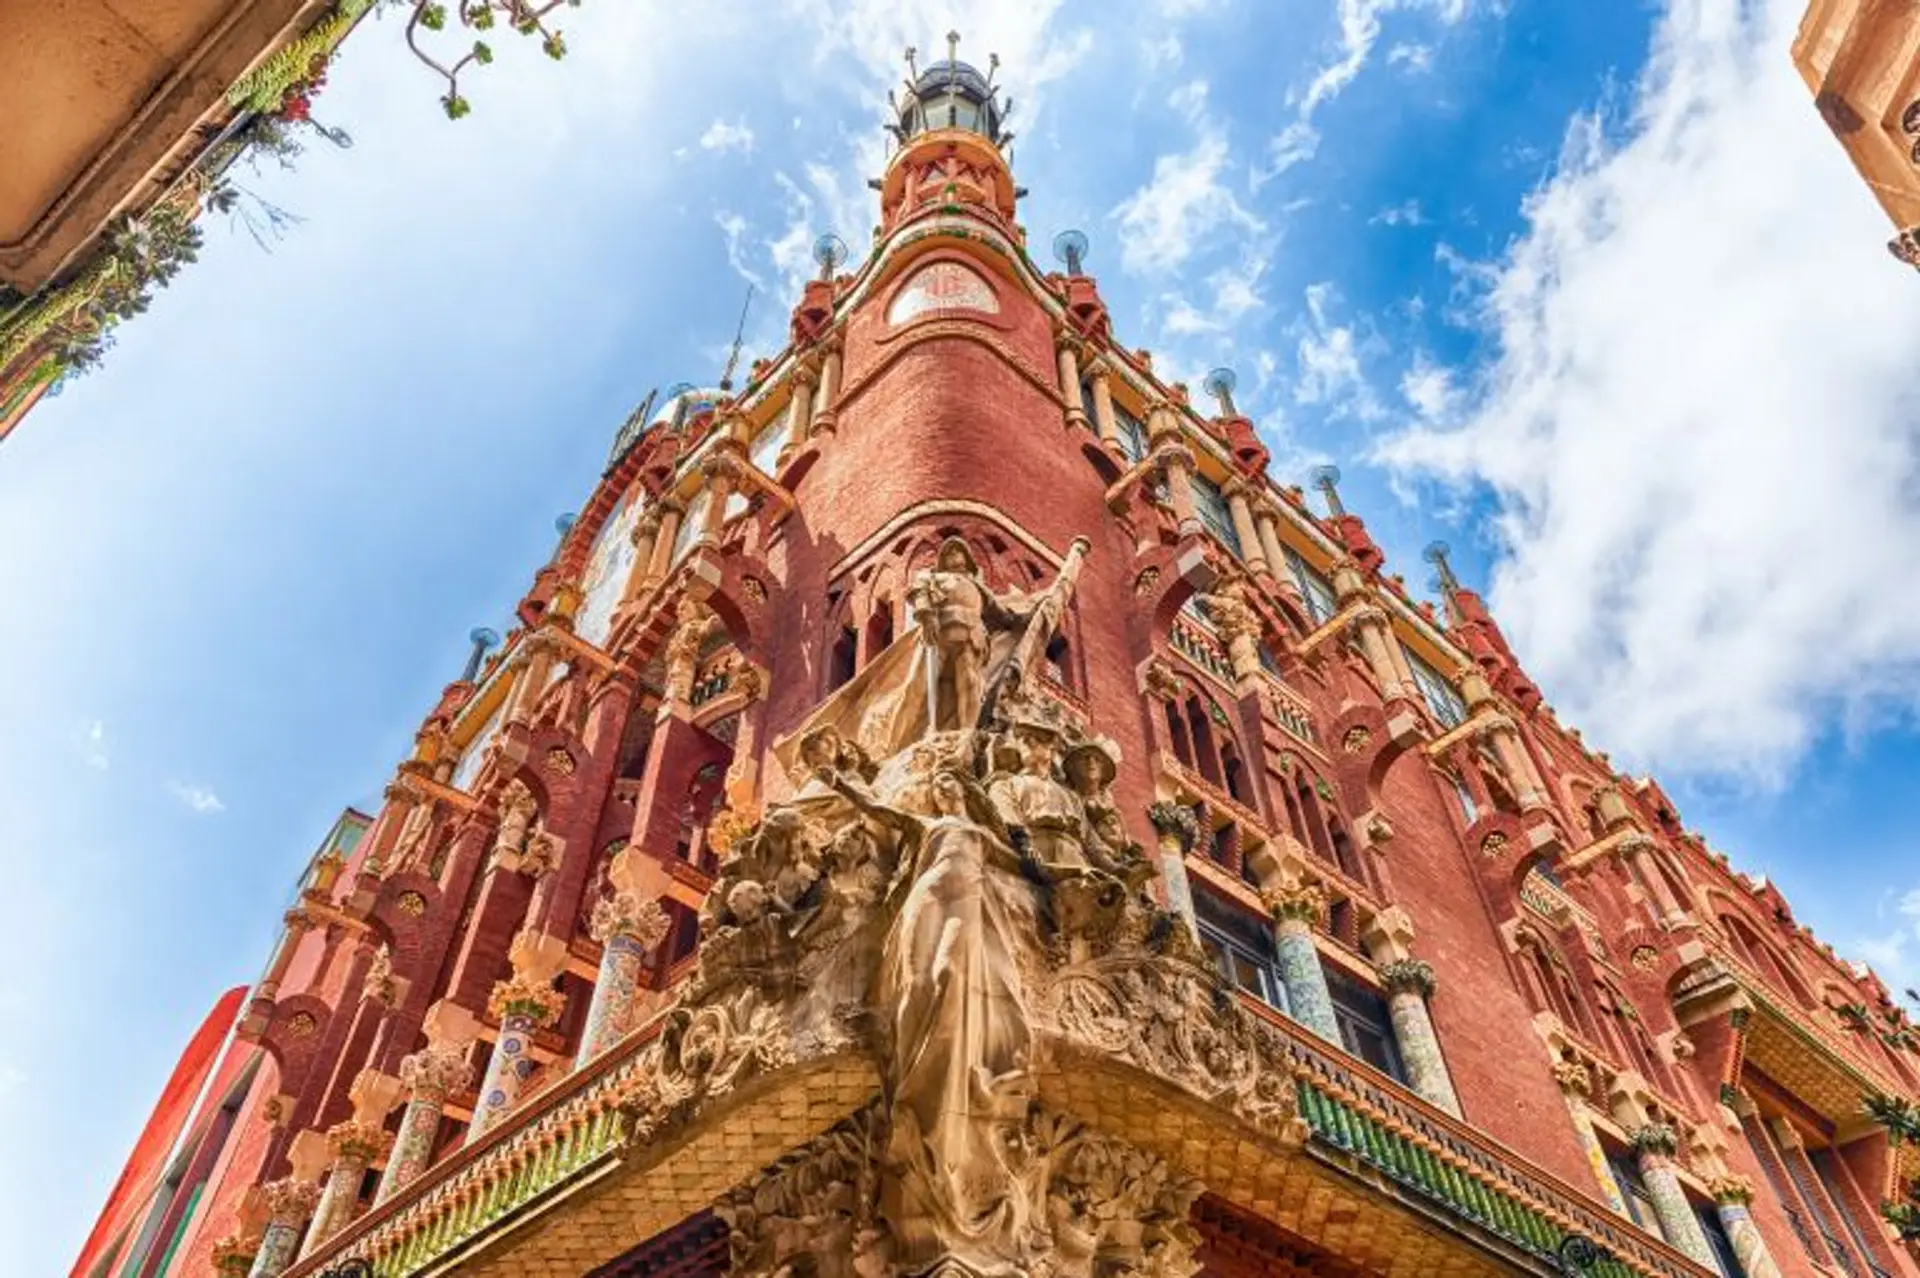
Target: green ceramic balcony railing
{"x": 1357, "y": 1111}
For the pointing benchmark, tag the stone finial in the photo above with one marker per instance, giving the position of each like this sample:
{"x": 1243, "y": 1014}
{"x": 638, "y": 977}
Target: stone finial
{"x": 436, "y": 1071}
{"x": 1175, "y": 821}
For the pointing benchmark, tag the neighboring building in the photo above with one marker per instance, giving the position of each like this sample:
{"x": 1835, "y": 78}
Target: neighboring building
{"x": 116, "y": 122}
{"x": 948, "y": 810}
{"x": 1861, "y": 58}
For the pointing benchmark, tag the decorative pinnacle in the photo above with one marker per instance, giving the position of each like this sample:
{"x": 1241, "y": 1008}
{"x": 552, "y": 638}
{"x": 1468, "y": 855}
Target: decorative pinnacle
{"x": 1436, "y": 554}
{"x": 482, "y": 640}
{"x": 1071, "y": 247}
{"x": 829, "y": 251}
{"x": 913, "y": 66}
{"x": 1219, "y": 384}
{"x": 1327, "y": 480}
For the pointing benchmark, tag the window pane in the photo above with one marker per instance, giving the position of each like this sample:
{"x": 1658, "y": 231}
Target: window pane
{"x": 1441, "y": 698}
{"x": 1314, "y": 588}
{"x": 1211, "y": 505}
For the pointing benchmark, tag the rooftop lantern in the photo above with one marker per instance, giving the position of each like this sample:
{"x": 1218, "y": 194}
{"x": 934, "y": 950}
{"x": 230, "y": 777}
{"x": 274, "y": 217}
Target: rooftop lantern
{"x": 950, "y": 94}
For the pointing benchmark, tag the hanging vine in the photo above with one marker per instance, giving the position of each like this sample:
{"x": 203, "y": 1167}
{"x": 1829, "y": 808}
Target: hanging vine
{"x": 522, "y": 16}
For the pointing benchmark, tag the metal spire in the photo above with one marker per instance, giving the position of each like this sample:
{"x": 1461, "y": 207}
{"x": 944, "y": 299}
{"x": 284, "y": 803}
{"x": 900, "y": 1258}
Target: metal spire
{"x": 1327, "y": 480}
{"x": 739, "y": 332}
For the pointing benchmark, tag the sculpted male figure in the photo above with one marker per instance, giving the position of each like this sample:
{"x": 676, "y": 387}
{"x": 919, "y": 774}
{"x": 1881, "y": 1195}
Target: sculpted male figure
{"x": 958, "y": 620}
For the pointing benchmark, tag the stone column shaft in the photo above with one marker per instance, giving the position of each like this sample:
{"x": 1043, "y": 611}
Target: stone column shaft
{"x": 1104, "y": 422}
{"x": 1298, "y": 961}
{"x": 800, "y": 408}
{"x": 1264, "y": 522}
{"x": 640, "y": 576}
{"x": 289, "y": 1203}
{"x": 1175, "y": 829}
{"x": 523, "y": 1005}
{"x": 1576, "y": 1081}
{"x": 1070, "y": 384}
{"x": 824, "y": 418}
{"x": 662, "y": 563}
{"x": 1505, "y": 739}
{"x": 1252, "y": 553}
{"x": 1670, "y": 1205}
{"x": 433, "y": 1073}
{"x": 533, "y": 678}
{"x": 1409, "y": 985}
{"x": 1656, "y": 882}
{"x": 1376, "y": 644}
{"x": 1749, "y": 1248}
{"x": 628, "y": 928}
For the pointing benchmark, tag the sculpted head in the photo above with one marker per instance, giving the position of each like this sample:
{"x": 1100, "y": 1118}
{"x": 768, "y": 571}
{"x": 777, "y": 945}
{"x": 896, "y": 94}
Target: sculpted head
{"x": 956, "y": 556}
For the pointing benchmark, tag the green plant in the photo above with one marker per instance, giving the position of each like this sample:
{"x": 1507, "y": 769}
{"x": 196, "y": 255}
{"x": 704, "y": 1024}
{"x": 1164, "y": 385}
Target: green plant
{"x": 523, "y": 16}
{"x": 1899, "y": 1115}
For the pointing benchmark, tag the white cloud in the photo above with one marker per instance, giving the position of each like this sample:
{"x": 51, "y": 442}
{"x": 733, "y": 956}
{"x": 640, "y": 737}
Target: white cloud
{"x": 91, "y": 738}
{"x": 1699, "y": 422}
{"x": 198, "y": 798}
{"x": 1428, "y": 388}
{"x": 1359, "y": 24}
{"x": 1403, "y": 214}
{"x": 734, "y": 227}
{"x": 723, "y": 136}
{"x": 1186, "y": 201}
{"x": 1895, "y": 954}
{"x": 1329, "y": 358}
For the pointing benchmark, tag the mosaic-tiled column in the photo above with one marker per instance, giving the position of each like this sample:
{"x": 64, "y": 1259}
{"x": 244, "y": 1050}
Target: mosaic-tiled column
{"x": 1654, "y": 1147}
{"x": 289, "y": 1203}
{"x": 1296, "y": 911}
{"x": 1732, "y": 1197}
{"x": 628, "y": 927}
{"x": 1576, "y": 1084}
{"x": 1177, "y": 829}
{"x": 523, "y": 1005}
{"x": 431, "y": 1075}
{"x": 1409, "y": 984}
{"x": 354, "y": 1145}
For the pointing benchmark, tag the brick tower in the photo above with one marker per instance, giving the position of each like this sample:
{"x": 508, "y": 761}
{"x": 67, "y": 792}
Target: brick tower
{"x": 946, "y": 809}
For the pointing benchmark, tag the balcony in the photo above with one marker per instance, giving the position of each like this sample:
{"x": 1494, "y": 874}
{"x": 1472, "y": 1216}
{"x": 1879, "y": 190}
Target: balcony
{"x": 1360, "y": 1166}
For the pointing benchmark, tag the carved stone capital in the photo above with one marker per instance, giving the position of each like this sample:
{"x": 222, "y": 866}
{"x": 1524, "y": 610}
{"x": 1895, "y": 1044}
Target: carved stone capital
{"x": 1175, "y": 821}
{"x": 1575, "y": 1077}
{"x": 1730, "y": 1190}
{"x": 290, "y": 1201}
{"x": 355, "y": 1141}
{"x": 1305, "y": 902}
{"x": 1655, "y": 1140}
{"x": 532, "y": 998}
{"x": 436, "y": 1071}
{"x": 627, "y": 914}
{"x": 1408, "y": 976}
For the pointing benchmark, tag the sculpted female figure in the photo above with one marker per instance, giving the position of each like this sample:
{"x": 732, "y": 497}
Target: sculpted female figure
{"x": 958, "y": 1085}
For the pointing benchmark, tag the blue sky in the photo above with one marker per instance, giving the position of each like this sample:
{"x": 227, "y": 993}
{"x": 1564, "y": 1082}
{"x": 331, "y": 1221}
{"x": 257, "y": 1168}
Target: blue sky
{"x": 1584, "y": 289}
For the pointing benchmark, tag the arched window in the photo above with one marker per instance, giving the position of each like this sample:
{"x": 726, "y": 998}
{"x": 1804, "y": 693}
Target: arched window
{"x": 1233, "y": 772}
{"x": 1177, "y": 734}
{"x": 1059, "y": 661}
{"x": 879, "y": 629}
{"x": 1206, "y": 757}
{"x": 844, "y": 660}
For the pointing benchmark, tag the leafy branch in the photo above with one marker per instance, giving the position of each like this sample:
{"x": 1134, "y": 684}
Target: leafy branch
{"x": 481, "y": 15}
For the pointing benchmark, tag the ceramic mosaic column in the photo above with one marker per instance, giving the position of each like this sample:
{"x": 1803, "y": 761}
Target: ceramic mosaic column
{"x": 289, "y": 1203}
{"x": 1654, "y": 1147}
{"x": 628, "y": 928}
{"x": 354, "y": 1145}
{"x": 1576, "y": 1083}
{"x": 1295, "y": 912}
{"x": 1732, "y": 1196}
{"x": 523, "y": 1005}
{"x": 1176, "y": 828}
{"x": 1409, "y": 984}
{"x": 431, "y": 1075}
